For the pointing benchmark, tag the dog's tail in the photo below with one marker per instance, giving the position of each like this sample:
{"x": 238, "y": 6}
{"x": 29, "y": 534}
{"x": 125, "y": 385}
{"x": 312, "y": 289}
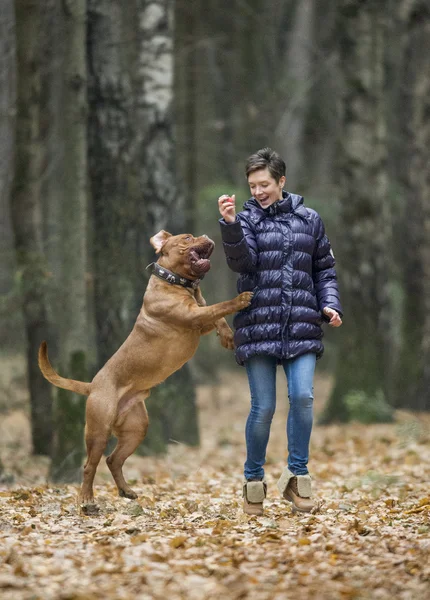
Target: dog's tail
{"x": 52, "y": 376}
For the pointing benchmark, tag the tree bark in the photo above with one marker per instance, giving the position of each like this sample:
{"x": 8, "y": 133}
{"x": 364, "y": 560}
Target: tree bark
{"x": 31, "y": 133}
{"x": 412, "y": 381}
{"x": 68, "y": 447}
{"x": 364, "y": 222}
{"x": 131, "y": 156}
{"x": 154, "y": 81}
{"x": 69, "y": 417}
{"x": 171, "y": 406}
{"x": 185, "y": 107}
{"x": 116, "y": 195}
{"x": 7, "y": 137}
{"x": 299, "y": 59}
{"x": 74, "y": 332}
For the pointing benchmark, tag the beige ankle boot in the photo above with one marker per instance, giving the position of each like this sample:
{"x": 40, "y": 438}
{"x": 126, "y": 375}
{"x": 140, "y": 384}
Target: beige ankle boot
{"x": 254, "y": 493}
{"x": 297, "y": 490}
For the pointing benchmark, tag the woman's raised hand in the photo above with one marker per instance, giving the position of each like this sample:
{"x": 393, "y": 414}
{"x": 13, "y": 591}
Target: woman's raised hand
{"x": 227, "y": 207}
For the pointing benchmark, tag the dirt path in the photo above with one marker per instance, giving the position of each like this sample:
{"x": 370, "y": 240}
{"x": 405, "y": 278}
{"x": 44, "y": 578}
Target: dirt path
{"x": 186, "y": 536}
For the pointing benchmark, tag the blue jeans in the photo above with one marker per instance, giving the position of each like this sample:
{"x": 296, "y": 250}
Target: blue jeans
{"x": 261, "y": 372}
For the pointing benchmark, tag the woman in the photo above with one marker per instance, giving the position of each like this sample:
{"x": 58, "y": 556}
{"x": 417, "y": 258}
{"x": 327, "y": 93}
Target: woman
{"x": 280, "y": 250}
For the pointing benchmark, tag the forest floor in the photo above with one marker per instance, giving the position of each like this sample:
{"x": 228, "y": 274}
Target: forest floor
{"x": 186, "y": 537}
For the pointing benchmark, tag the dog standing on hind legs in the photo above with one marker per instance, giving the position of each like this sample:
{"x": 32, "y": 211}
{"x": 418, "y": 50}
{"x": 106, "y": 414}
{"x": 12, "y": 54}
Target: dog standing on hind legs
{"x": 165, "y": 336}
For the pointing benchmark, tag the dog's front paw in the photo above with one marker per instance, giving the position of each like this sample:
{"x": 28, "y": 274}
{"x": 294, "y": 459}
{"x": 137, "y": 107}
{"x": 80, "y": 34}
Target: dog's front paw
{"x": 226, "y": 338}
{"x": 244, "y": 299}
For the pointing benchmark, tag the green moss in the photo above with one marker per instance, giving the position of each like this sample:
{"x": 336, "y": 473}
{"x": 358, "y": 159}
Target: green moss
{"x": 368, "y": 409}
{"x": 69, "y": 422}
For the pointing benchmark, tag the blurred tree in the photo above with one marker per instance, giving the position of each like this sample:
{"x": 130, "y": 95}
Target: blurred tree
{"x": 32, "y": 129}
{"x": 412, "y": 380}
{"x": 52, "y": 187}
{"x": 322, "y": 116}
{"x": 7, "y": 136}
{"x": 132, "y": 172}
{"x": 185, "y": 105}
{"x": 364, "y": 219}
{"x": 69, "y": 414}
{"x": 172, "y": 405}
{"x": 301, "y": 79}
{"x": 117, "y": 206}
{"x": 208, "y": 71}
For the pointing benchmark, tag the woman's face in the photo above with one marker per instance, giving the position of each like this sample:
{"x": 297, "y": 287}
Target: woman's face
{"x": 265, "y": 189}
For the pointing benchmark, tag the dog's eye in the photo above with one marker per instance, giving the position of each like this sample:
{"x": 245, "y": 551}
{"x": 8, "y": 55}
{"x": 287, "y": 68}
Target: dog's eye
{"x": 188, "y": 238}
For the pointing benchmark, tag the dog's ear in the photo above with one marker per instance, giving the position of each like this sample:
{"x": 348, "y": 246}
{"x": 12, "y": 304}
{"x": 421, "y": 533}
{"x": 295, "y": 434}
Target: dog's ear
{"x": 159, "y": 239}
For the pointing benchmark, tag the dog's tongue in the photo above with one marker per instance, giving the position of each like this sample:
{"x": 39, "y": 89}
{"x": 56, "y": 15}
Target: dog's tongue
{"x": 202, "y": 265}
{"x": 199, "y": 265}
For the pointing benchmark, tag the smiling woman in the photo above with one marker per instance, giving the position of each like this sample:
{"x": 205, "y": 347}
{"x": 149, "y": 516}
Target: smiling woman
{"x": 265, "y": 187}
{"x": 279, "y": 247}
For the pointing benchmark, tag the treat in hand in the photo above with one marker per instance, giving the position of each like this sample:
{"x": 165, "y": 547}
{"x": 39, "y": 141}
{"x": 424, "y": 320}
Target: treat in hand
{"x": 227, "y": 207}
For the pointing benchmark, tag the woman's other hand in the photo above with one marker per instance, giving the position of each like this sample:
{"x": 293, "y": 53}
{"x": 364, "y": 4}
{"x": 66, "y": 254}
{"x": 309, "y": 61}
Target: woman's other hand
{"x": 335, "y": 320}
{"x": 227, "y": 207}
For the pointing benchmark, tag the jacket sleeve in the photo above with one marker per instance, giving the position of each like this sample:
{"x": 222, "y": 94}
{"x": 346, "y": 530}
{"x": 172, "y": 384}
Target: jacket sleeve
{"x": 324, "y": 274}
{"x": 239, "y": 245}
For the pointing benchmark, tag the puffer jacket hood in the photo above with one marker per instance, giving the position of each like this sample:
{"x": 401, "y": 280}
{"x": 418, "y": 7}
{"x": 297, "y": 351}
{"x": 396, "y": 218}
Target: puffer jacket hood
{"x": 283, "y": 255}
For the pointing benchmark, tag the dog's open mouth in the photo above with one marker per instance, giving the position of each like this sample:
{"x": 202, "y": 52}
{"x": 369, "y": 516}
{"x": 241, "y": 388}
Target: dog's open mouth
{"x": 199, "y": 258}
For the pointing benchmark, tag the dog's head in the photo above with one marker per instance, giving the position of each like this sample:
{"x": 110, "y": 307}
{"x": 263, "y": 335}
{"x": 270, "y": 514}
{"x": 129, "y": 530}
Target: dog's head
{"x": 183, "y": 254}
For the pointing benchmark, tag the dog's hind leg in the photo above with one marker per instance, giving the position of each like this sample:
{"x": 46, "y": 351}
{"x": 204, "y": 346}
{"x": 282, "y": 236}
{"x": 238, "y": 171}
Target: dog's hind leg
{"x": 130, "y": 430}
{"x": 99, "y": 419}
{"x": 95, "y": 449}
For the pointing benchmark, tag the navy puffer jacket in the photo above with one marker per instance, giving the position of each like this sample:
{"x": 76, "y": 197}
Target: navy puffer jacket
{"x": 284, "y": 257}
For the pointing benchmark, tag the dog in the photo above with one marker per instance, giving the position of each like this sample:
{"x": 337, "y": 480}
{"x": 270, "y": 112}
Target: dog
{"x": 165, "y": 336}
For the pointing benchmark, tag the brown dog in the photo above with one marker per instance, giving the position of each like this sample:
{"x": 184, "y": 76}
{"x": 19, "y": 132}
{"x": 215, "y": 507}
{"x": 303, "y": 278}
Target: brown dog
{"x": 165, "y": 336}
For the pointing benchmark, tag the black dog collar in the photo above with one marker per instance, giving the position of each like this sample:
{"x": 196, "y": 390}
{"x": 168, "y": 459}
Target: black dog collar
{"x": 172, "y": 278}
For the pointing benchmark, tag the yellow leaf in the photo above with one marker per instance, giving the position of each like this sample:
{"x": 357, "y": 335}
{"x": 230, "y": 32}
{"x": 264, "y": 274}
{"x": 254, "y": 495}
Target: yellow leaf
{"x": 418, "y": 509}
{"x": 304, "y": 541}
{"x": 139, "y": 538}
{"x": 156, "y": 557}
{"x": 269, "y": 536}
{"x": 220, "y": 527}
{"x": 178, "y": 541}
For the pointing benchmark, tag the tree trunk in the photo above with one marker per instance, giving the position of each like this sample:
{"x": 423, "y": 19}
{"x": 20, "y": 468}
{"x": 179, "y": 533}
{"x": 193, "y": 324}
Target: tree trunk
{"x": 68, "y": 447}
{"x": 117, "y": 205}
{"x": 69, "y": 417}
{"x": 131, "y": 155}
{"x": 185, "y": 85}
{"x": 171, "y": 406}
{"x": 363, "y": 364}
{"x": 172, "y": 413}
{"x": 52, "y": 188}
{"x": 322, "y": 118}
{"x": 299, "y": 59}
{"x": 31, "y": 133}
{"x": 412, "y": 389}
{"x": 7, "y": 135}
{"x": 154, "y": 82}
{"x": 73, "y": 330}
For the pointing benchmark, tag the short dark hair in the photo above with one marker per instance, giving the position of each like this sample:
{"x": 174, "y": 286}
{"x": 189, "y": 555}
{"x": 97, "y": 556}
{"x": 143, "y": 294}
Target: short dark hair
{"x": 266, "y": 158}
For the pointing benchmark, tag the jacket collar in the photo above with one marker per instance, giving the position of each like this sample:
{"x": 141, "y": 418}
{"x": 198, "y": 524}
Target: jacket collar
{"x": 290, "y": 203}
